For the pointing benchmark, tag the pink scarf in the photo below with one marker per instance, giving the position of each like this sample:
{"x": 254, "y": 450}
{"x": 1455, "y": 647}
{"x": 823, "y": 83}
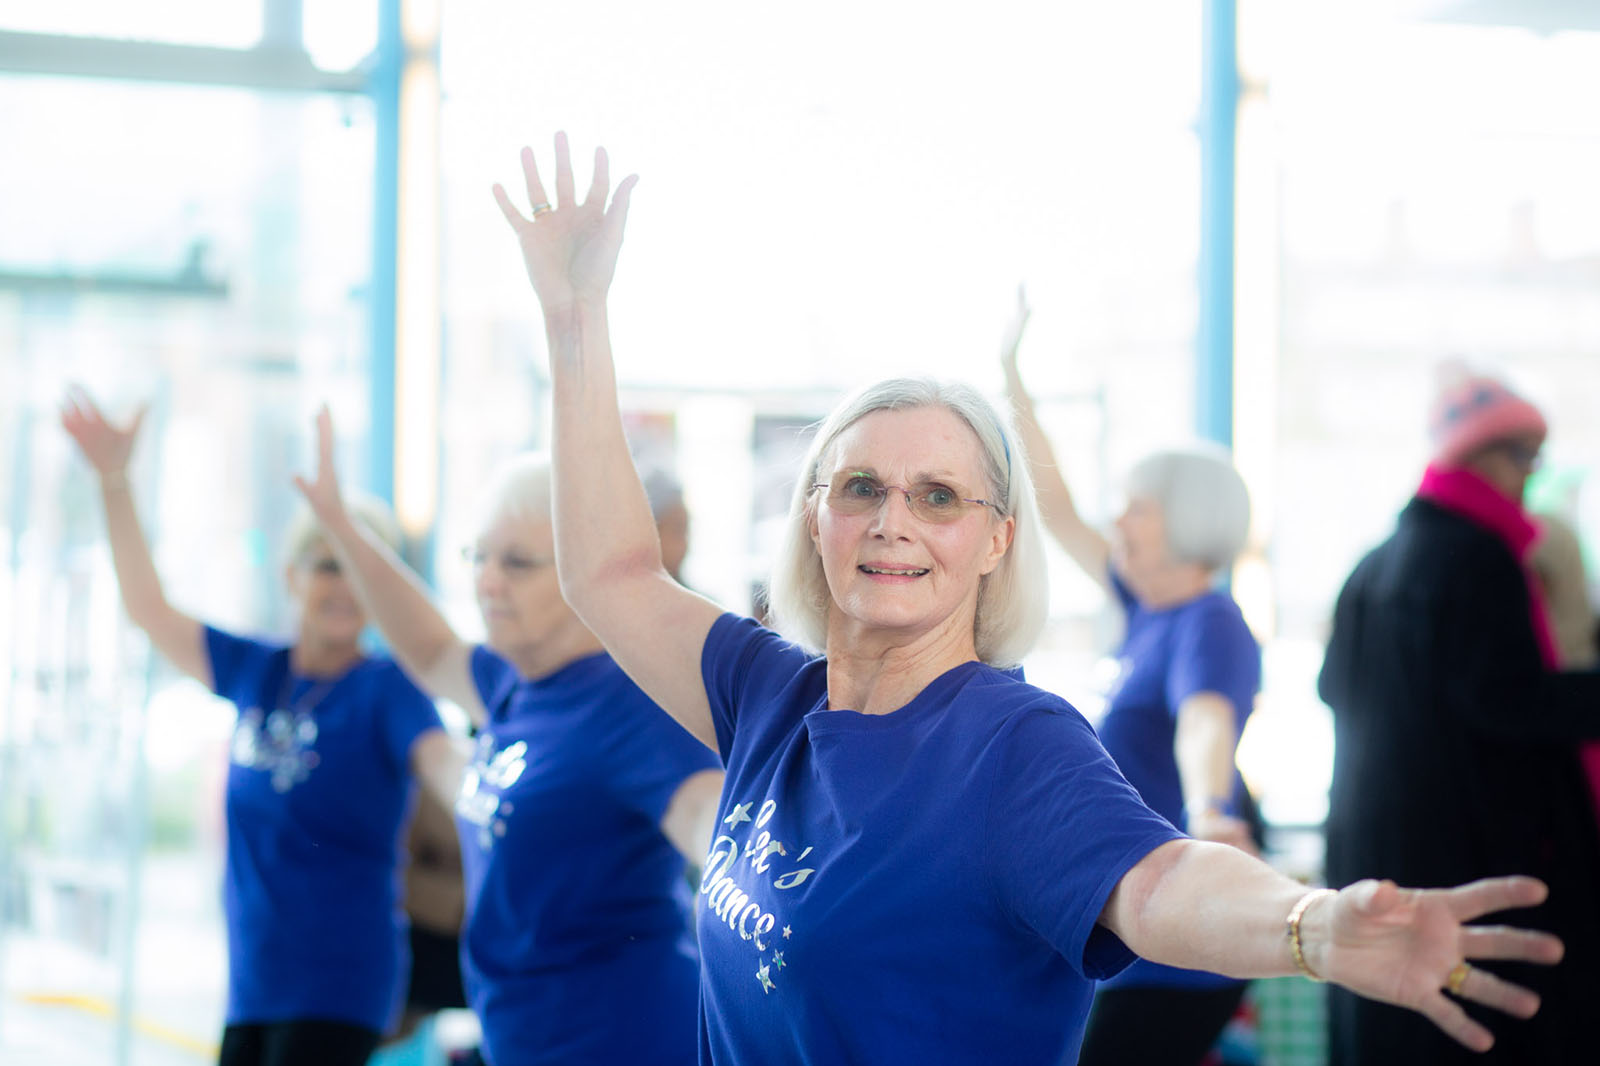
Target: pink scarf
{"x": 1470, "y": 496}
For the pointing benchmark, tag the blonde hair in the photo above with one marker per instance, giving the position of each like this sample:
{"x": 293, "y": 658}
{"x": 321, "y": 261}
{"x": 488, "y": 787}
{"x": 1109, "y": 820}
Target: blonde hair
{"x": 1012, "y": 599}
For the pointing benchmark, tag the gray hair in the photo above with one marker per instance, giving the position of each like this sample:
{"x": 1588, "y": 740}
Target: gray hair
{"x": 519, "y": 488}
{"x": 304, "y": 530}
{"x": 1012, "y": 600}
{"x": 1203, "y": 501}
{"x": 662, "y": 488}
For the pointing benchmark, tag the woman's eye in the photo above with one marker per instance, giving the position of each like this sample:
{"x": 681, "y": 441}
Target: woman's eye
{"x": 939, "y": 496}
{"x": 863, "y": 487}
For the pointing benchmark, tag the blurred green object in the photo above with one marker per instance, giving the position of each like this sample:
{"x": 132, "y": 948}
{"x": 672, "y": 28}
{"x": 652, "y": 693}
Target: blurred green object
{"x": 1554, "y": 490}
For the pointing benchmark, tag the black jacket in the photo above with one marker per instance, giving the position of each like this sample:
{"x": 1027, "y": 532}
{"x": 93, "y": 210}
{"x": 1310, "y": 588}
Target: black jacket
{"x": 1456, "y": 758}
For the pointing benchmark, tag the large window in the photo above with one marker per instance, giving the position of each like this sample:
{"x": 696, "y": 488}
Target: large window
{"x": 206, "y": 252}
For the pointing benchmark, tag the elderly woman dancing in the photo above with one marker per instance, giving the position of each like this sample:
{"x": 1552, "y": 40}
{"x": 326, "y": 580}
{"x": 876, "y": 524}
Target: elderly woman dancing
{"x": 921, "y": 858}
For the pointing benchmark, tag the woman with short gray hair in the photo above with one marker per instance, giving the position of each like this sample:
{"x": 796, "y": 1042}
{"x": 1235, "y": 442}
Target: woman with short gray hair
{"x": 1189, "y": 669}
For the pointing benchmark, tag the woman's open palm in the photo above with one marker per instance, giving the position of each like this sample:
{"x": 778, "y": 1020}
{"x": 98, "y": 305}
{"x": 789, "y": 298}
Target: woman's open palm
{"x": 569, "y": 247}
{"x": 105, "y": 445}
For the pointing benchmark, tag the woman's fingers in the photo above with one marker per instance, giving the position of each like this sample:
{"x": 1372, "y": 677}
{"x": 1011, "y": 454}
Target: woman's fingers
{"x": 1481, "y": 986}
{"x": 508, "y": 209}
{"x": 601, "y": 184}
{"x": 617, "y": 215}
{"x": 1505, "y": 942}
{"x": 530, "y": 179}
{"x": 563, "y": 172}
{"x": 1492, "y": 894}
{"x": 1456, "y": 1024}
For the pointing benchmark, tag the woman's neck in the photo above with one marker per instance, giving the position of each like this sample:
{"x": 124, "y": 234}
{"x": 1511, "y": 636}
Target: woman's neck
{"x": 873, "y": 674}
{"x": 311, "y": 657}
{"x": 567, "y": 645}
{"x": 1171, "y": 586}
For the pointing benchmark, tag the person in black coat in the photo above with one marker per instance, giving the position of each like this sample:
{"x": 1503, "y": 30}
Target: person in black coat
{"x": 1456, "y": 734}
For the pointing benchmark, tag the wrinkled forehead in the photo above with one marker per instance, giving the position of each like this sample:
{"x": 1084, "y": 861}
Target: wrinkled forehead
{"x": 905, "y": 446}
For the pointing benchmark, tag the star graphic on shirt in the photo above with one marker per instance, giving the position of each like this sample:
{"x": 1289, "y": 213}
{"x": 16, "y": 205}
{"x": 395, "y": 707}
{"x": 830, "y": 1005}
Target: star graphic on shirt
{"x": 764, "y": 975}
{"x": 786, "y": 932}
{"x": 741, "y": 813}
{"x": 777, "y": 960}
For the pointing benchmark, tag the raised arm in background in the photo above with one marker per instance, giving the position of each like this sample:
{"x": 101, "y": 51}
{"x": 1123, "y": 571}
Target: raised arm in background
{"x": 176, "y": 635}
{"x": 1085, "y": 544}
{"x": 608, "y": 554}
{"x": 394, "y": 597}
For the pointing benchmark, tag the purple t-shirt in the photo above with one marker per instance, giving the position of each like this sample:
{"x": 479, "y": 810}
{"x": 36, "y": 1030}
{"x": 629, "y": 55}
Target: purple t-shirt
{"x": 1167, "y": 656}
{"x": 319, "y": 787}
{"x": 578, "y": 945}
{"x": 920, "y": 886}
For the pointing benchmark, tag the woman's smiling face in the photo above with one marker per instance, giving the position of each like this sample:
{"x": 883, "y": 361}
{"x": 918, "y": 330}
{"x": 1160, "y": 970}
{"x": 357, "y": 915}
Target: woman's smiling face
{"x": 890, "y": 573}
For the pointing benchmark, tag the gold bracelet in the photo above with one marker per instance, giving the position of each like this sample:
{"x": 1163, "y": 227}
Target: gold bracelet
{"x": 1295, "y": 914}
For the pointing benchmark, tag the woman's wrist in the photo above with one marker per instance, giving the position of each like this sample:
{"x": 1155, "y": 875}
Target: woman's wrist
{"x": 1307, "y": 944}
{"x": 112, "y": 480}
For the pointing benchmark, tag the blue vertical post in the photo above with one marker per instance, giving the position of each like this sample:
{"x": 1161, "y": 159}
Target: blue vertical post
{"x": 384, "y": 88}
{"x": 1219, "y": 117}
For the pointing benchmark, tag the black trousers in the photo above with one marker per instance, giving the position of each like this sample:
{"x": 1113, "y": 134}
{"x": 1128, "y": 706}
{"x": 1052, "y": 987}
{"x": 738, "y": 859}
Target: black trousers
{"x": 1157, "y": 1026}
{"x": 297, "y": 1043}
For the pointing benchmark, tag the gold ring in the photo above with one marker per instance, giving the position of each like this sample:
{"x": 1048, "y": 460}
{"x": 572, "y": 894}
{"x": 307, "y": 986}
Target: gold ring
{"x": 539, "y": 209}
{"x": 1457, "y": 977}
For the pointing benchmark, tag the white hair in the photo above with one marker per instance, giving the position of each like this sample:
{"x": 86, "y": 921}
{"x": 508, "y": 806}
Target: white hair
{"x": 519, "y": 488}
{"x": 1012, "y": 599}
{"x": 1203, "y": 501}
{"x": 303, "y": 529}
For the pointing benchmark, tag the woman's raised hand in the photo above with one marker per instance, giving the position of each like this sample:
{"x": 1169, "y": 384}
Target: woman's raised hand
{"x": 1407, "y": 946}
{"x": 1012, "y": 340}
{"x": 569, "y": 247}
{"x": 322, "y": 493}
{"x": 104, "y": 445}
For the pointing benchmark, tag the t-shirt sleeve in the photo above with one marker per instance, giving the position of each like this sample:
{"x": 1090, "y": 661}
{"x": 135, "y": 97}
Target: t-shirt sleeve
{"x": 743, "y": 663}
{"x": 1214, "y": 651}
{"x": 495, "y": 677}
{"x": 1063, "y": 827}
{"x": 405, "y": 712}
{"x": 237, "y": 664}
{"x": 655, "y": 755}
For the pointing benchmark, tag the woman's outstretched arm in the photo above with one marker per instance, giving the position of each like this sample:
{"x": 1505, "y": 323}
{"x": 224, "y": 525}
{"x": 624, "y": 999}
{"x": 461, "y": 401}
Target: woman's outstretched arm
{"x": 1211, "y": 907}
{"x": 607, "y": 552}
{"x": 176, "y": 635}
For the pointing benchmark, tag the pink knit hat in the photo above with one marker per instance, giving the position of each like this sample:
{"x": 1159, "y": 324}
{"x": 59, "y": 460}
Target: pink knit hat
{"x": 1472, "y": 410}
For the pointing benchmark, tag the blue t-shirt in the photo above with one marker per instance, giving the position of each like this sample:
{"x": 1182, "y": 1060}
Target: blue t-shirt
{"x": 1167, "y": 656}
{"x": 920, "y": 886}
{"x": 578, "y": 945}
{"x": 319, "y": 787}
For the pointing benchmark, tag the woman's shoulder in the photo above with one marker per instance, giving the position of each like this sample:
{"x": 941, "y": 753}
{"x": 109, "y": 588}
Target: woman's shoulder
{"x": 1013, "y": 704}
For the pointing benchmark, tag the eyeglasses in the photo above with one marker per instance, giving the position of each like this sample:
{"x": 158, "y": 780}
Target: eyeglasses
{"x": 853, "y": 492}
{"x": 327, "y": 566}
{"x": 512, "y": 563}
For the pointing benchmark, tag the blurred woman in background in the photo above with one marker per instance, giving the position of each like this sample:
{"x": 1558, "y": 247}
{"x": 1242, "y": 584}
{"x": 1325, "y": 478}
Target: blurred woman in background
{"x": 1189, "y": 672}
{"x": 580, "y": 807}
{"x": 323, "y": 757}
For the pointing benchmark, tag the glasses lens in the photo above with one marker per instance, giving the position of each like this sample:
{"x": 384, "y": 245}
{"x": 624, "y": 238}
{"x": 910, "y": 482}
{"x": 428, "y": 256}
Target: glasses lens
{"x": 854, "y": 493}
{"x": 933, "y": 502}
